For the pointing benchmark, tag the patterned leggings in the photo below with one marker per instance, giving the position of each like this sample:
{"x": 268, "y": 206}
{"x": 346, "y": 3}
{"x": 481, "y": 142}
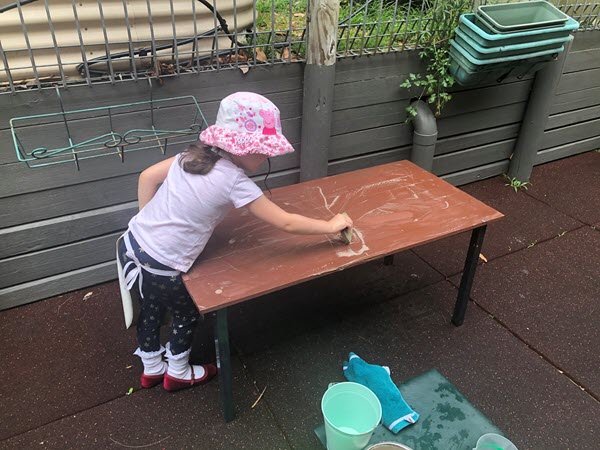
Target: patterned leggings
{"x": 161, "y": 294}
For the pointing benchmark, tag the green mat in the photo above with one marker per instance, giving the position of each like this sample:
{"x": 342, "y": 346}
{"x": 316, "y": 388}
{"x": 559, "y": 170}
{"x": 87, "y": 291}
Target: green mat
{"x": 448, "y": 421}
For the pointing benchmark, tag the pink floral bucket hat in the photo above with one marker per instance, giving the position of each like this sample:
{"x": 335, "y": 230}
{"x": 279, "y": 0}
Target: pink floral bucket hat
{"x": 247, "y": 123}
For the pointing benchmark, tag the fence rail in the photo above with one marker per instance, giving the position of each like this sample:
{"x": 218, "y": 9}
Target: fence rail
{"x": 45, "y": 43}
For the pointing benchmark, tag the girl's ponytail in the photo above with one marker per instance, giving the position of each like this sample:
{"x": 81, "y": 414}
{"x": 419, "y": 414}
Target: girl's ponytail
{"x": 198, "y": 158}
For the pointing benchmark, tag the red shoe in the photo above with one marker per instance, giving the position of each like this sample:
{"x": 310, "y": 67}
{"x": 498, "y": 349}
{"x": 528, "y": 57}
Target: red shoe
{"x": 173, "y": 384}
{"x": 149, "y": 381}
{"x": 152, "y": 362}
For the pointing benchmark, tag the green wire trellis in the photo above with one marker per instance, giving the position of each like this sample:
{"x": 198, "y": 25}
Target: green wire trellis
{"x": 111, "y": 142}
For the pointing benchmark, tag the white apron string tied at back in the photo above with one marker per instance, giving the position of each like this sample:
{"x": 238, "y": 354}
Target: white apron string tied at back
{"x": 137, "y": 271}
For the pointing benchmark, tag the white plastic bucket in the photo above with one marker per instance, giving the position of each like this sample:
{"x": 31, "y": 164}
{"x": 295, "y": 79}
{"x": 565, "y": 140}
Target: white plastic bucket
{"x": 351, "y": 412}
{"x": 493, "y": 441}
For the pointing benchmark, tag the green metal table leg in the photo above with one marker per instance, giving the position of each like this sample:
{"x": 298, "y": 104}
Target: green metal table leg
{"x": 464, "y": 291}
{"x": 224, "y": 364}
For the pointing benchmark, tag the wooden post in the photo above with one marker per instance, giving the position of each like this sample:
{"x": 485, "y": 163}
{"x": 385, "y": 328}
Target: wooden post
{"x": 319, "y": 77}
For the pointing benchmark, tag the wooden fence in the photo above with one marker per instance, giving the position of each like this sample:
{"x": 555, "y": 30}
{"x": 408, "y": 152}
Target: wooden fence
{"x": 58, "y": 226}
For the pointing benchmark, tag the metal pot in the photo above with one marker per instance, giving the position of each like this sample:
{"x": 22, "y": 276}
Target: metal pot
{"x": 388, "y": 446}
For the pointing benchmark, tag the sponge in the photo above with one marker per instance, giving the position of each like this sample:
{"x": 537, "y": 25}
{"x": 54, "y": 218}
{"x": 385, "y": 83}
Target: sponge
{"x": 346, "y": 234}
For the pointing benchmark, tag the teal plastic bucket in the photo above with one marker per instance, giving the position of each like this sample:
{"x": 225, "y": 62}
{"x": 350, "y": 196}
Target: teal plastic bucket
{"x": 351, "y": 412}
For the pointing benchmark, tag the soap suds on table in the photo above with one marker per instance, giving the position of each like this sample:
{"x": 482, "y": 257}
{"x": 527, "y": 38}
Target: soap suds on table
{"x": 350, "y": 252}
{"x": 328, "y": 205}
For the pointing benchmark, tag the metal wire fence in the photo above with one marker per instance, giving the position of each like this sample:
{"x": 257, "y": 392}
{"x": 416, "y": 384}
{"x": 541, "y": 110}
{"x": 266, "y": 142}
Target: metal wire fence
{"x": 45, "y": 43}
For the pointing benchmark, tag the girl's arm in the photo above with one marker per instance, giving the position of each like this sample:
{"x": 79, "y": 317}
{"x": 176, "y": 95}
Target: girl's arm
{"x": 266, "y": 210}
{"x": 151, "y": 179}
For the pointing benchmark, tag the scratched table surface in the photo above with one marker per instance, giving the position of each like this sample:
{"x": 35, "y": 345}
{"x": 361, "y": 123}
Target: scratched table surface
{"x": 394, "y": 207}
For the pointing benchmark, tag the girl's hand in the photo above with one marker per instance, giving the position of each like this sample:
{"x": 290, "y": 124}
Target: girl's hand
{"x": 340, "y": 222}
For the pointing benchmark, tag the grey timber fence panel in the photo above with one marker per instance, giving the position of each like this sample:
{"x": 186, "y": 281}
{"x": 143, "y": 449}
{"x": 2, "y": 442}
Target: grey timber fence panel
{"x": 57, "y": 260}
{"x": 574, "y": 123}
{"x": 50, "y": 219}
{"x": 57, "y": 284}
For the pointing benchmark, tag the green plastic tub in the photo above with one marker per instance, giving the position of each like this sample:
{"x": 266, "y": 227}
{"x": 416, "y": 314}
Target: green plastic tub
{"x": 478, "y": 32}
{"x": 466, "y": 77}
{"x": 476, "y": 65}
{"x": 514, "y": 17}
{"x": 479, "y": 52}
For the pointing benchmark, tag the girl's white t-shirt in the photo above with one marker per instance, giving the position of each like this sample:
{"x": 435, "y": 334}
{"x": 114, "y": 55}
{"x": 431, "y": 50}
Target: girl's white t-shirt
{"x": 174, "y": 227}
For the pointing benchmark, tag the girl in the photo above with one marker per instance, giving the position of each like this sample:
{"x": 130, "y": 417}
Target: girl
{"x": 182, "y": 200}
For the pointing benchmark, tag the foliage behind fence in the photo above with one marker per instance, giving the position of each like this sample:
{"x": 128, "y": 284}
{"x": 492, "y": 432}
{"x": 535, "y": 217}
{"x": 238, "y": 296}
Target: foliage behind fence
{"x": 52, "y": 42}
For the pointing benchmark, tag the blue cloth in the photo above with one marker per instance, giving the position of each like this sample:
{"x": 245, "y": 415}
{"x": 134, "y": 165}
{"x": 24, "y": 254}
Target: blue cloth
{"x": 395, "y": 412}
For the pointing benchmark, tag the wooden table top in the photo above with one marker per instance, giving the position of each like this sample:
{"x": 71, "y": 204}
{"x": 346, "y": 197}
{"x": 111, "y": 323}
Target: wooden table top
{"x": 394, "y": 207}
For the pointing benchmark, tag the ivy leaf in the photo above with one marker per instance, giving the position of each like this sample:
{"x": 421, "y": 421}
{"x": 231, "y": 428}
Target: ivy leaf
{"x": 442, "y": 19}
{"x": 412, "y": 111}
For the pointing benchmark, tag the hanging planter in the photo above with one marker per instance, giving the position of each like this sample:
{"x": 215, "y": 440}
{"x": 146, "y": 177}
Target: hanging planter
{"x": 530, "y": 36}
{"x": 156, "y": 124}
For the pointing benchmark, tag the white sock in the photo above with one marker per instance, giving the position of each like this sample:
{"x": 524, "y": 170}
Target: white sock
{"x": 153, "y": 362}
{"x": 180, "y": 368}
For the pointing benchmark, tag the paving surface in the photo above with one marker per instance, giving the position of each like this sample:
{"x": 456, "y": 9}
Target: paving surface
{"x": 527, "y": 355}
{"x": 570, "y": 185}
{"x": 527, "y": 220}
{"x": 549, "y": 295}
{"x": 412, "y": 334}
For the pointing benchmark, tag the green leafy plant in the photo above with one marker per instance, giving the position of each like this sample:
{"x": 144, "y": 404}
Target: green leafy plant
{"x": 516, "y": 184}
{"x": 438, "y": 30}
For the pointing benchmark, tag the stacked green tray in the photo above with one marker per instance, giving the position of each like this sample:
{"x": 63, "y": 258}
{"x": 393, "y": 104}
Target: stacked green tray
{"x": 485, "y": 37}
{"x": 480, "y": 55}
{"x": 468, "y": 70}
{"x": 480, "y": 52}
{"x": 514, "y": 17}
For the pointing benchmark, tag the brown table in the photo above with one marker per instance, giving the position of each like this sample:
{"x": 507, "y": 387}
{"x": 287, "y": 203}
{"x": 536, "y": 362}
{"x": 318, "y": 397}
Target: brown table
{"x": 395, "y": 207}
